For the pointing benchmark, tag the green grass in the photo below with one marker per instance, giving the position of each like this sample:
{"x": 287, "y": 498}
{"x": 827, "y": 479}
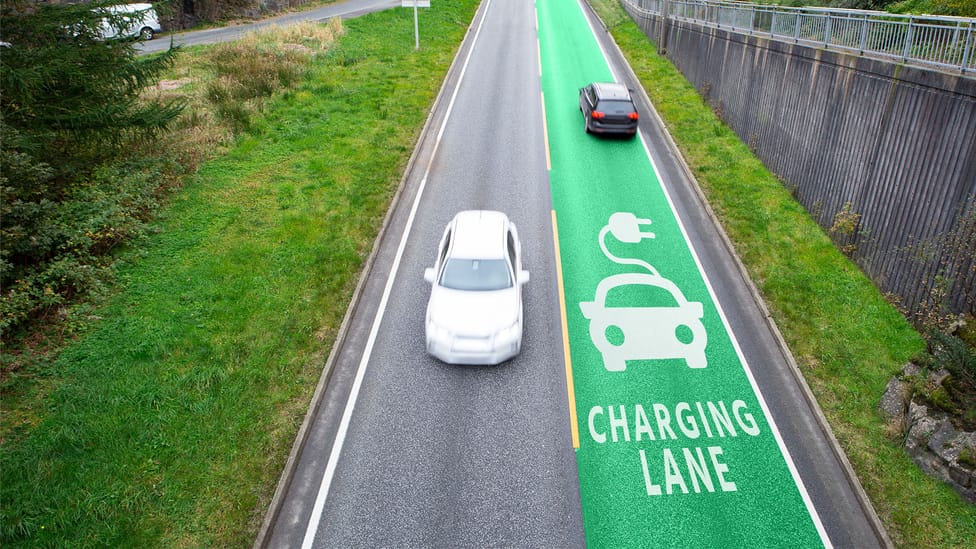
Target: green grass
{"x": 168, "y": 422}
{"x": 847, "y": 339}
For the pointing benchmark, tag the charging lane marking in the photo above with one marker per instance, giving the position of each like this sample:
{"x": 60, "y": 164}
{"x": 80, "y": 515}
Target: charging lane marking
{"x": 791, "y": 465}
{"x": 659, "y": 443}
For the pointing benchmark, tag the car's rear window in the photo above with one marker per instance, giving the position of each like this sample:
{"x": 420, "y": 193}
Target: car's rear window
{"x": 476, "y": 274}
{"x": 615, "y": 107}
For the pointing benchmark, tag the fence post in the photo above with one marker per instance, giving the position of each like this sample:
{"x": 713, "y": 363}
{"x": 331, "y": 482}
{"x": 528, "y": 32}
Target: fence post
{"x": 908, "y": 38}
{"x": 662, "y": 44}
{"x": 864, "y": 34}
{"x": 968, "y": 50}
{"x": 826, "y": 40}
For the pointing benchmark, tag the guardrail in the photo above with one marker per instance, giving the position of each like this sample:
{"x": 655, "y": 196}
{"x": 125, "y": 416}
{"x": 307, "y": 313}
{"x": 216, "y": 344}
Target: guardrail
{"x": 934, "y": 41}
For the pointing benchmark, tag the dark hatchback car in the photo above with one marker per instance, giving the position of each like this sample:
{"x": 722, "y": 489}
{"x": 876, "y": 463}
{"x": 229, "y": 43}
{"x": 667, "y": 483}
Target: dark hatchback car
{"x": 608, "y": 108}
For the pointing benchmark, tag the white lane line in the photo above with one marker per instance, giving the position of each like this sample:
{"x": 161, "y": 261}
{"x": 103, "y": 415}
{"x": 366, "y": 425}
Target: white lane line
{"x": 538, "y": 45}
{"x": 545, "y": 133}
{"x": 811, "y": 509}
{"x": 330, "y": 468}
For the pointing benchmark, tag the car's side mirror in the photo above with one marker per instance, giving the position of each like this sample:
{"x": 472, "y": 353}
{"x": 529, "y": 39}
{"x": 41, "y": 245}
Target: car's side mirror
{"x": 429, "y": 275}
{"x": 523, "y": 277}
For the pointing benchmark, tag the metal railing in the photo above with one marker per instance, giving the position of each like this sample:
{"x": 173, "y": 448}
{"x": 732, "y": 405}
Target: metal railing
{"x": 939, "y": 41}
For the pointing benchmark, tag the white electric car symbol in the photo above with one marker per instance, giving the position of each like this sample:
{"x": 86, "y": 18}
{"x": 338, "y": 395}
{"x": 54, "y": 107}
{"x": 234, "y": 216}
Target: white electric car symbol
{"x": 623, "y": 333}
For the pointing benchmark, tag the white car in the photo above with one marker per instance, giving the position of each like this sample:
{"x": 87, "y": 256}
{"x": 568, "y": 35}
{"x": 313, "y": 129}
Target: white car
{"x": 129, "y": 21}
{"x": 474, "y": 315}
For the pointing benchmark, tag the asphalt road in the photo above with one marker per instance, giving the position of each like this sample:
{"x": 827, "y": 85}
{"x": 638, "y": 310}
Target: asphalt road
{"x": 402, "y": 450}
{"x": 344, "y": 9}
{"x": 438, "y": 455}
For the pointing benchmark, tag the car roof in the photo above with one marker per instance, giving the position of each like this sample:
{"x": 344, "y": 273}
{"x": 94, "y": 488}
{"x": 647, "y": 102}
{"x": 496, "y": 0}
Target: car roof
{"x": 611, "y": 90}
{"x": 127, "y": 8}
{"x": 479, "y": 234}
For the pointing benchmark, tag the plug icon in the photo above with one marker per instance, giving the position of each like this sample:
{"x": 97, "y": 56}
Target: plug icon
{"x": 626, "y": 227}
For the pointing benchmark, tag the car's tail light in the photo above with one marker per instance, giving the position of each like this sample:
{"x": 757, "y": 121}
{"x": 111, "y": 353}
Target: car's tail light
{"x": 598, "y": 115}
{"x": 632, "y": 116}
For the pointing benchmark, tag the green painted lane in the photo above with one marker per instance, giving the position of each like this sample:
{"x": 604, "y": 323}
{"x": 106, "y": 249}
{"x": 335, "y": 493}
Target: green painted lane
{"x": 675, "y": 445}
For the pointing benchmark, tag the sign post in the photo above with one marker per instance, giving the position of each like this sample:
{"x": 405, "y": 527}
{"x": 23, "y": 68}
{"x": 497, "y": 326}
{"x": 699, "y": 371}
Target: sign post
{"x": 416, "y": 28}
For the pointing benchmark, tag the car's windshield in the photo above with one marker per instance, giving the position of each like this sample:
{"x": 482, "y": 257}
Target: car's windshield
{"x": 616, "y": 107}
{"x": 476, "y": 274}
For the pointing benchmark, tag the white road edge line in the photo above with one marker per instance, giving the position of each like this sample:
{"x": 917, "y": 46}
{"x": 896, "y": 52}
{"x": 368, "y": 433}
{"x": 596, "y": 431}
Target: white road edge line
{"x": 814, "y": 515}
{"x": 323, "y": 493}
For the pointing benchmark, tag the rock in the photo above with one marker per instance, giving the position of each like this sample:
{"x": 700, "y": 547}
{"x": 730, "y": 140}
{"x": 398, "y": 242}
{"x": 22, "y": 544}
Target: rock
{"x": 920, "y": 427}
{"x": 960, "y": 476}
{"x": 932, "y": 441}
{"x": 894, "y": 401}
{"x": 937, "y": 377}
{"x": 942, "y": 437}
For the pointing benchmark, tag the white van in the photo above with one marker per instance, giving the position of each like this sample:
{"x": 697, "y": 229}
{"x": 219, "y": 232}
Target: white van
{"x": 135, "y": 20}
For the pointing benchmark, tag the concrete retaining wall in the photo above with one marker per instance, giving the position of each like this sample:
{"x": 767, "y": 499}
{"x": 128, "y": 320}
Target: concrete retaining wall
{"x": 892, "y": 144}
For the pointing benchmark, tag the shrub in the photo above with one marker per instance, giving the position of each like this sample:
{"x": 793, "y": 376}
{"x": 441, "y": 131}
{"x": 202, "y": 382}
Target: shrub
{"x": 56, "y": 250}
{"x": 967, "y": 456}
{"x": 957, "y": 393}
{"x": 71, "y": 108}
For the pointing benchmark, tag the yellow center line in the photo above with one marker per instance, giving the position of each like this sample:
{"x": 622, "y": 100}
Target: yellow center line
{"x": 565, "y": 328}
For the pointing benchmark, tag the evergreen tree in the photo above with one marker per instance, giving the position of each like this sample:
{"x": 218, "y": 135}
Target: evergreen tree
{"x": 69, "y": 96}
{"x": 69, "y": 101}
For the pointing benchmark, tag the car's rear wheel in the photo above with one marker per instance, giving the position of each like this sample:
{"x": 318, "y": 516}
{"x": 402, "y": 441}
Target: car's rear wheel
{"x": 146, "y": 33}
{"x": 586, "y": 124}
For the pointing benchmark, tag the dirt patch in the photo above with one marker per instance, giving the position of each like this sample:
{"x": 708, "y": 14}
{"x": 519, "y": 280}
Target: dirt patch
{"x": 299, "y": 48}
{"x": 164, "y": 85}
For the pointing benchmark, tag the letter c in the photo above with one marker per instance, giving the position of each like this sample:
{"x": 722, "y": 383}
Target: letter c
{"x": 600, "y": 438}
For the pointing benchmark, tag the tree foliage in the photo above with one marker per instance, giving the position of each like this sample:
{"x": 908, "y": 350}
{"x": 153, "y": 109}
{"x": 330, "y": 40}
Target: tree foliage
{"x": 69, "y": 93}
{"x": 69, "y": 105}
{"x": 958, "y": 8}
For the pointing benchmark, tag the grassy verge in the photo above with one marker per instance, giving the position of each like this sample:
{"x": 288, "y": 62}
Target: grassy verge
{"x": 168, "y": 422}
{"x": 847, "y": 339}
